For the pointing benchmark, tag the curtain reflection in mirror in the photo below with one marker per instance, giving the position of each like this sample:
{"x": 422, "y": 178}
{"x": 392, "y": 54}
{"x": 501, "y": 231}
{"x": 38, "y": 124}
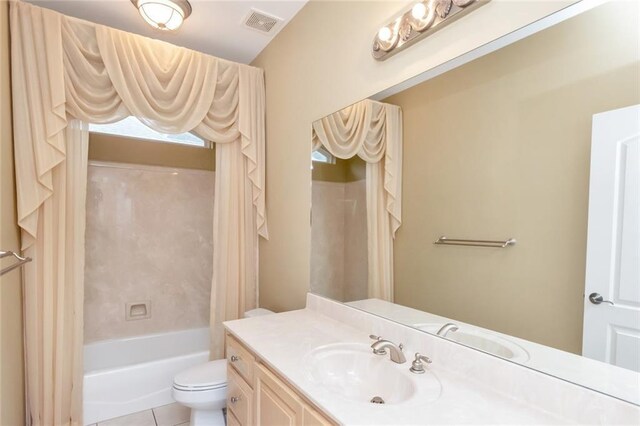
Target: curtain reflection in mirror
{"x": 371, "y": 131}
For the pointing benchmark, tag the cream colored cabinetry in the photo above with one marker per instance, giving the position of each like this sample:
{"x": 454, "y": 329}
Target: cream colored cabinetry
{"x": 276, "y": 403}
{"x": 257, "y": 396}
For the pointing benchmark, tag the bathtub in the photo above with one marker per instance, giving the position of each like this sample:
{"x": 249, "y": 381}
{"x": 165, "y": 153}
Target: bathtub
{"x": 124, "y": 376}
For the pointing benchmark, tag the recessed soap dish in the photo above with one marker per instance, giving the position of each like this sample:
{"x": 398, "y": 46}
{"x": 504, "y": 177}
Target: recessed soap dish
{"x": 138, "y": 310}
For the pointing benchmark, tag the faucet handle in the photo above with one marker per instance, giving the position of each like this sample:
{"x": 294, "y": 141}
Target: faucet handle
{"x": 417, "y": 366}
{"x": 374, "y": 337}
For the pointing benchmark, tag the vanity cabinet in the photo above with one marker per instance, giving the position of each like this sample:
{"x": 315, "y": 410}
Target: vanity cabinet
{"x": 257, "y": 396}
{"x": 276, "y": 403}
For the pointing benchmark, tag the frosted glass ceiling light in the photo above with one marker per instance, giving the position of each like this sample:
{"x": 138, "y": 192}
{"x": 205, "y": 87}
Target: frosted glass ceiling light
{"x": 166, "y": 15}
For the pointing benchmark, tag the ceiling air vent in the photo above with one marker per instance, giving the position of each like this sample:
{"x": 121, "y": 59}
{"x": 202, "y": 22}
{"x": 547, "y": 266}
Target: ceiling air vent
{"x": 260, "y": 21}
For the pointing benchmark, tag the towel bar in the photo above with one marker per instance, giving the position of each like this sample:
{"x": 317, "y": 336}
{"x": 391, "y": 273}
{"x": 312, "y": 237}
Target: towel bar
{"x": 21, "y": 261}
{"x": 475, "y": 243}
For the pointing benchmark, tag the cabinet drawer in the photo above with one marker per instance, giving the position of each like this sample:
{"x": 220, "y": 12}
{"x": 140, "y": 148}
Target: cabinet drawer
{"x": 240, "y": 359}
{"x": 239, "y": 398}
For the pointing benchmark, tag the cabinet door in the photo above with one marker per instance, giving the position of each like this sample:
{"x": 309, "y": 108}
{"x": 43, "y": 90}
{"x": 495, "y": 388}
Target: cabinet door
{"x": 311, "y": 417}
{"x": 232, "y": 420}
{"x": 276, "y": 403}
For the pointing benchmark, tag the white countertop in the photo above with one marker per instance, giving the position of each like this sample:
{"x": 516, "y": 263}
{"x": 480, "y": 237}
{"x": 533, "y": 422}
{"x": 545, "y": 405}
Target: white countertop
{"x": 281, "y": 341}
{"x": 603, "y": 377}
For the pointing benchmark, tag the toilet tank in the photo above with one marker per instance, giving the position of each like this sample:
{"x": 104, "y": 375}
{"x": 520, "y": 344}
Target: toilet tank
{"x": 257, "y": 313}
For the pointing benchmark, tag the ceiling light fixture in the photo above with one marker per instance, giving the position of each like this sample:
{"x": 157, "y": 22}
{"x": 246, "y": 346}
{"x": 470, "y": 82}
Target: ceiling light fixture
{"x": 424, "y": 18}
{"x": 166, "y": 15}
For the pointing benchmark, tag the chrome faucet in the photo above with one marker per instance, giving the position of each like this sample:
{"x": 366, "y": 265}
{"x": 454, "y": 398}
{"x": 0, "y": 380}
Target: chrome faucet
{"x": 395, "y": 352}
{"x": 446, "y": 329}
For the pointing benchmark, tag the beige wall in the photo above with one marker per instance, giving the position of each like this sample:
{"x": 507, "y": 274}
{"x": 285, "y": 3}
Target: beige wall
{"x": 319, "y": 63}
{"x": 500, "y": 148}
{"x": 350, "y": 170}
{"x": 121, "y": 149}
{"x": 11, "y": 370}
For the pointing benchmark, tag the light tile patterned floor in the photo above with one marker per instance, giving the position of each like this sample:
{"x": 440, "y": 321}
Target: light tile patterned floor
{"x": 167, "y": 415}
{"x": 171, "y": 415}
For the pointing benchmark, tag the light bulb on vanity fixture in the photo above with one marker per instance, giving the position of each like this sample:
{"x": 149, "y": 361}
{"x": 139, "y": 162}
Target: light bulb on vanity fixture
{"x": 387, "y": 37}
{"x": 418, "y": 10}
{"x": 422, "y": 19}
{"x": 384, "y": 34}
{"x": 166, "y": 15}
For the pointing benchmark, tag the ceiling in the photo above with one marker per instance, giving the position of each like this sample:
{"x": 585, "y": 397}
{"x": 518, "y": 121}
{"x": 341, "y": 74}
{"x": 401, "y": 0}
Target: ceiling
{"x": 214, "y": 27}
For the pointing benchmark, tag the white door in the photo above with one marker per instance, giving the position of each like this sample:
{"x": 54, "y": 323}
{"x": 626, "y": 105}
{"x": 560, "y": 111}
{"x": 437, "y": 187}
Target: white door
{"x": 612, "y": 326}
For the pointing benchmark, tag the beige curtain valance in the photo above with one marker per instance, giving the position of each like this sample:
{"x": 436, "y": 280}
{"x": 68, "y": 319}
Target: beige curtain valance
{"x": 98, "y": 74}
{"x": 372, "y": 131}
{"x": 358, "y": 129}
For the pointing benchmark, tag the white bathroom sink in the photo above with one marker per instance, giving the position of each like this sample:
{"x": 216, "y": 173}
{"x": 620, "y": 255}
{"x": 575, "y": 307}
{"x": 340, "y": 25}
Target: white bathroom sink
{"x": 482, "y": 340}
{"x": 353, "y": 373}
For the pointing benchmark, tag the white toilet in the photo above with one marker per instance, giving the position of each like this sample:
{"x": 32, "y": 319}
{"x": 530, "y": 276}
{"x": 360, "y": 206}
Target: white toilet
{"x": 203, "y": 388}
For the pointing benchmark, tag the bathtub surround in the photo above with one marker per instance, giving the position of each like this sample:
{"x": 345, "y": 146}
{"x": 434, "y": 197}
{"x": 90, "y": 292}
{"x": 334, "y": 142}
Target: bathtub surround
{"x": 327, "y": 230}
{"x": 149, "y": 238}
{"x": 339, "y": 232}
{"x": 65, "y": 70}
{"x": 355, "y": 222}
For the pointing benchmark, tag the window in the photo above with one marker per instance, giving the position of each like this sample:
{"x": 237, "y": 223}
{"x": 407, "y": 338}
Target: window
{"x": 134, "y": 128}
{"x": 321, "y": 155}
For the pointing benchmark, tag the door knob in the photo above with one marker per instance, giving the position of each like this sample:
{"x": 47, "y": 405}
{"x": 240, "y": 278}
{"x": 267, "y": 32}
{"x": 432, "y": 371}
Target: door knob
{"x": 597, "y": 299}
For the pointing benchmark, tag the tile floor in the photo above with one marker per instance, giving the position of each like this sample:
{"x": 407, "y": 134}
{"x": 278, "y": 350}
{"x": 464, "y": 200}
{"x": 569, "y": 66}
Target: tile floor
{"x": 167, "y": 415}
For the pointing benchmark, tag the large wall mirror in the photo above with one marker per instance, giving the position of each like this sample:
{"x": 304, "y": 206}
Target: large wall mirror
{"x": 527, "y": 161}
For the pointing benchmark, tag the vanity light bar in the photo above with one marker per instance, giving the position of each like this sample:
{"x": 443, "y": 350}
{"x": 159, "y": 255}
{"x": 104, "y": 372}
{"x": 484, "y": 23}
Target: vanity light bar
{"x": 424, "y": 18}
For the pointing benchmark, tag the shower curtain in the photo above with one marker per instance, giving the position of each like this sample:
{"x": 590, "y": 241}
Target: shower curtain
{"x": 66, "y": 73}
{"x": 372, "y": 131}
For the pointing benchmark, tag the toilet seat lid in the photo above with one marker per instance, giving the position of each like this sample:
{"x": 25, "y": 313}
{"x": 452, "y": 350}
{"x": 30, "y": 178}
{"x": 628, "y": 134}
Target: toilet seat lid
{"x": 206, "y": 376}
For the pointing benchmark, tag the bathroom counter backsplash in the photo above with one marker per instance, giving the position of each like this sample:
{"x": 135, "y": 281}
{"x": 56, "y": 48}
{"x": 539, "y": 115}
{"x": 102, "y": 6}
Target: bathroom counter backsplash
{"x": 476, "y": 388}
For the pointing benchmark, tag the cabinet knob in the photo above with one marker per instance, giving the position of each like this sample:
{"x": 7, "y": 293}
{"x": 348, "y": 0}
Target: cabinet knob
{"x": 234, "y": 358}
{"x": 234, "y": 399}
